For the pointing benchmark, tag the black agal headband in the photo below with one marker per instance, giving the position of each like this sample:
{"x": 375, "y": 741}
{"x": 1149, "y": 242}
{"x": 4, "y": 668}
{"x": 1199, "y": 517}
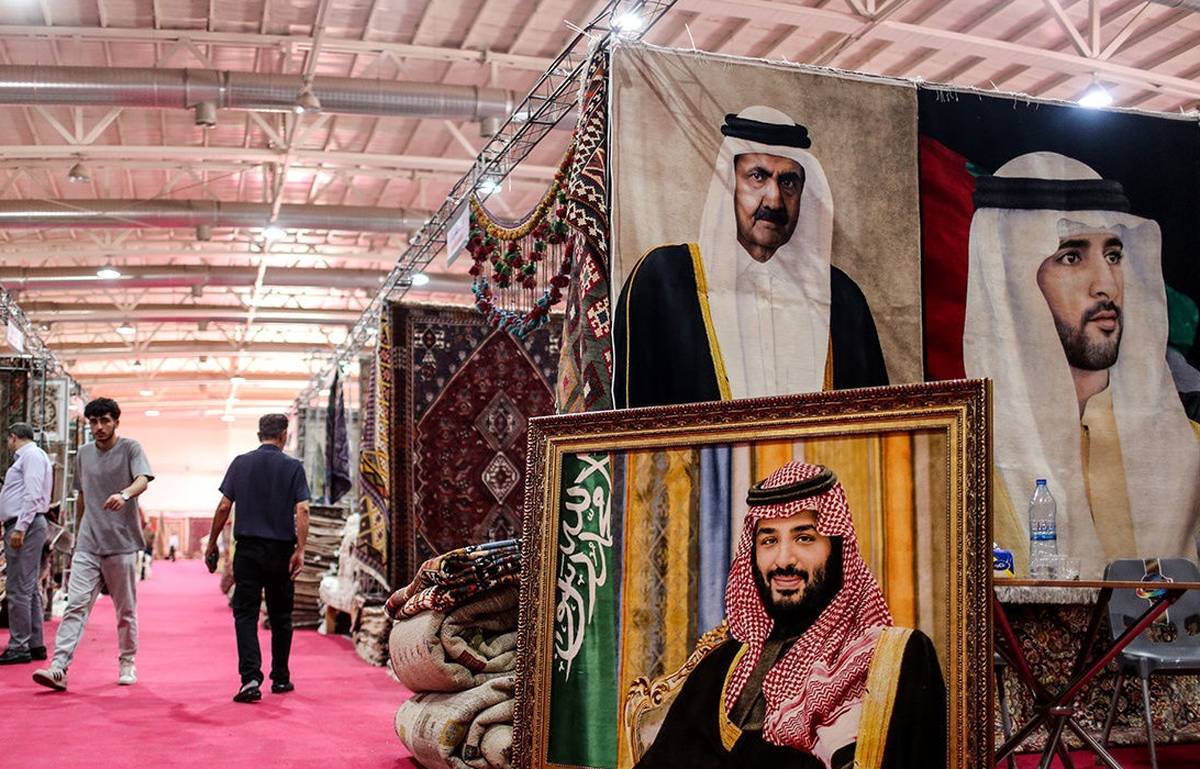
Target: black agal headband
{"x": 792, "y": 492}
{"x": 766, "y": 133}
{"x": 1050, "y": 194}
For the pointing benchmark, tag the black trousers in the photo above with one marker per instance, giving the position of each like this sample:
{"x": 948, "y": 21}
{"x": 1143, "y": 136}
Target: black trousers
{"x": 261, "y": 566}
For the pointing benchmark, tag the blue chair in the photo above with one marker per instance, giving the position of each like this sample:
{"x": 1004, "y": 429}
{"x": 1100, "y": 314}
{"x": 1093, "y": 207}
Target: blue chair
{"x": 1172, "y": 648}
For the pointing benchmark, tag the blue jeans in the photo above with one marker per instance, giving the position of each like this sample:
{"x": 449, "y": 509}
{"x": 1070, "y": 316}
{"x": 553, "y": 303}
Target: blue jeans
{"x": 25, "y": 603}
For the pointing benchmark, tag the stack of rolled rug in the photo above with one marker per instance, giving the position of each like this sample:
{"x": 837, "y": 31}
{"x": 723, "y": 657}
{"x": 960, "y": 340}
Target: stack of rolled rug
{"x": 454, "y": 646}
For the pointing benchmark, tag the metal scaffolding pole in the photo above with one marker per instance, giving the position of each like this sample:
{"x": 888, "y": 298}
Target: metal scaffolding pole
{"x": 552, "y": 97}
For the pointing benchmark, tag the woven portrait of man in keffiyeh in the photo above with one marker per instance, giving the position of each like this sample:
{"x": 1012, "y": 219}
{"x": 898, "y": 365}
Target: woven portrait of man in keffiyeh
{"x": 815, "y": 674}
{"x": 1066, "y": 311}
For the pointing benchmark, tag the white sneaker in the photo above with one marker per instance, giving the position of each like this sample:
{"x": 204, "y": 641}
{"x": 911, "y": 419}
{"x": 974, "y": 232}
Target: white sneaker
{"x": 128, "y": 675}
{"x": 51, "y": 678}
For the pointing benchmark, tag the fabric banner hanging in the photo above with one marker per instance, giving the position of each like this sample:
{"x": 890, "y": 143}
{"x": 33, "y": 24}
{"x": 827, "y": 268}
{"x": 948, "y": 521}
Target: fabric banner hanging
{"x": 14, "y": 403}
{"x": 374, "y": 462}
{"x": 585, "y": 367}
{"x": 762, "y": 229}
{"x": 465, "y": 393}
{"x": 583, "y": 702}
{"x": 337, "y": 444}
{"x": 1056, "y": 240}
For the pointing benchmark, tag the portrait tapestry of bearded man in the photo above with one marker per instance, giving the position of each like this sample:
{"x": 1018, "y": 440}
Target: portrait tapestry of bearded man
{"x": 754, "y": 308}
{"x": 1066, "y": 312}
{"x": 815, "y": 675}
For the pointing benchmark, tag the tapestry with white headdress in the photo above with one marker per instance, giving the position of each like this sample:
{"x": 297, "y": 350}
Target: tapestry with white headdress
{"x": 1105, "y": 428}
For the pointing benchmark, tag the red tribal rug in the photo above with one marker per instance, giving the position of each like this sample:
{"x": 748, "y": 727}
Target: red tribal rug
{"x": 464, "y": 395}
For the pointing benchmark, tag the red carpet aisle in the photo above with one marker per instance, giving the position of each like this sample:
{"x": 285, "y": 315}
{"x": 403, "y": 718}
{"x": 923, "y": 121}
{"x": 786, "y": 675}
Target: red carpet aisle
{"x": 180, "y": 713}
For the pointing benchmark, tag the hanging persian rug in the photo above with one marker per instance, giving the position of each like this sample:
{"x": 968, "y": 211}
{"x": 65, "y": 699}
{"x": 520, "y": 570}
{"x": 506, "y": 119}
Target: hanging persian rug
{"x": 464, "y": 394}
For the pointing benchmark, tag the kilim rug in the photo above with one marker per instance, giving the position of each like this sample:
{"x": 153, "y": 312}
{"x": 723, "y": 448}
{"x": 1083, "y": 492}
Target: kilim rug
{"x": 464, "y": 395}
{"x": 585, "y": 370}
{"x": 374, "y": 463}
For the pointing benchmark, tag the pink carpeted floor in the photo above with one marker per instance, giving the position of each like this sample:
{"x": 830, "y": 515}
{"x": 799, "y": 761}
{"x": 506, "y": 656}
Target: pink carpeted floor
{"x": 180, "y": 712}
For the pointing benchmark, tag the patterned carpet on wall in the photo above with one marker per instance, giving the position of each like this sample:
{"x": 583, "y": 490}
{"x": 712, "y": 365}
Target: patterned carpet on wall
{"x": 464, "y": 395}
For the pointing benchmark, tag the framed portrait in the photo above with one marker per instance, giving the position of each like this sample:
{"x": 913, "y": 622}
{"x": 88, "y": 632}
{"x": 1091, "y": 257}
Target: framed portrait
{"x": 801, "y": 580}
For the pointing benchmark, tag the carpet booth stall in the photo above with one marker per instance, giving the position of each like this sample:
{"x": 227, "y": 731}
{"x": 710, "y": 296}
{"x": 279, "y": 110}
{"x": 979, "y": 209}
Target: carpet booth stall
{"x": 933, "y": 239}
{"x": 723, "y": 229}
{"x": 35, "y": 389}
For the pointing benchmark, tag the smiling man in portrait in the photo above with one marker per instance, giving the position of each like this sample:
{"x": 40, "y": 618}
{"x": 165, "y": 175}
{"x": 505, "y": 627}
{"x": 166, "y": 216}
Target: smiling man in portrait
{"x": 814, "y": 675}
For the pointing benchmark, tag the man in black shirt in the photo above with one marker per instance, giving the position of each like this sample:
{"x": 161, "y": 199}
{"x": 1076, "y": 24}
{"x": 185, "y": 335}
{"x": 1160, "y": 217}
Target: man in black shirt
{"x": 269, "y": 531}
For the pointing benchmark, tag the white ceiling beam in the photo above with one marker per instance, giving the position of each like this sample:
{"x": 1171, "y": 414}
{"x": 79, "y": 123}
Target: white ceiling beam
{"x": 188, "y": 349}
{"x": 174, "y": 314}
{"x": 268, "y": 379}
{"x": 156, "y": 249}
{"x": 767, "y": 11}
{"x": 1016, "y": 53}
{"x": 276, "y": 43}
{"x": 1068, "y": 26}
{"x": 11, "y": 156}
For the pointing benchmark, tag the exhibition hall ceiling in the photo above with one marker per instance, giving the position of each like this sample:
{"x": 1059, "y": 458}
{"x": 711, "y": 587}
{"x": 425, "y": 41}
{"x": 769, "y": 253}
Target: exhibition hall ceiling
{"x": 207, "y": 312}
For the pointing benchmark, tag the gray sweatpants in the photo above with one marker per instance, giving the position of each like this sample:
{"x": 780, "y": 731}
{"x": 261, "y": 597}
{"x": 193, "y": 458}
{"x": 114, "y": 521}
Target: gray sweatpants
{"x": 120, "y": 574}
{"x": 25, "y": 604}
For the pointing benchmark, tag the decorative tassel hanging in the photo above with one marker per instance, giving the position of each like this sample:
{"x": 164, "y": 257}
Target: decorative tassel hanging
{"x": 521, "y": 271}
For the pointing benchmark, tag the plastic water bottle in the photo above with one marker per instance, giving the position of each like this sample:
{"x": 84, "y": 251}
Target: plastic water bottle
{"x": 1043, "y": 533}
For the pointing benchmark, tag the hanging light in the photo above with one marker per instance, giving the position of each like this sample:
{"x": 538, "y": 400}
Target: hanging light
{"x": 152, "y": 412}
{"x": 489, "y": 186}
{"x": 420, "y": 279}
{"x": 108, "y": 272}
{"x": 273, "y": 232}
{"x": 146, "y": 393}
{"x": 629, "y": 23}
{"x": 237, "y": 379}
{"x": 1096, "y": 96}
{"x": 228, "y": 418}
{"x": 79, "y": 173}
{"x": 306, "y": 101}
{"x": 125, "y": 329}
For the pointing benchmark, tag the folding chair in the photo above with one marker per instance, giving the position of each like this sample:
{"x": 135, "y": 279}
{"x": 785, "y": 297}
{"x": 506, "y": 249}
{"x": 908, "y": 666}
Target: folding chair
{"x": 1178, "y": 651}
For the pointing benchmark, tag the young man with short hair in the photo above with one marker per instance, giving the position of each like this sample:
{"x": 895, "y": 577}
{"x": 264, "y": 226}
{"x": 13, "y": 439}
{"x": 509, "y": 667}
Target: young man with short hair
{"x": 270, "y": 530}
{"x": 110, "y": 473}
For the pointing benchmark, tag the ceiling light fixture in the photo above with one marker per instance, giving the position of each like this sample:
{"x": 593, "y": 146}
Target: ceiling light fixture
{"x": 228, "y": 418}
{"x": 152, "y": 412}
{"x": 237, "y": 379}
{"x": 125, "y": 329}
{"x": 420, "y": 279}
{"x": 273, "y": 232}
{"x": 108, "y": 272}
{"x": 306, "y": 101}
{"x": 146, "y": 393}
{"x": 628, "y": 23}
{"x": 1096, "y": 96}
{"x": 79, "y": 173}
{"x": 489, "y": 186}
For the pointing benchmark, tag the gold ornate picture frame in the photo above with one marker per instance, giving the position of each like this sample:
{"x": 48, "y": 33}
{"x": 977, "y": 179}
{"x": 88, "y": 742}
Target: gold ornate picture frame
{"x": 602, "y": 647}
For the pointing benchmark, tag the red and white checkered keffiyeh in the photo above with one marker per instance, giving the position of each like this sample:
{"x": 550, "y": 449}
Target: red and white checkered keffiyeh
{"x": 823, "y": 677}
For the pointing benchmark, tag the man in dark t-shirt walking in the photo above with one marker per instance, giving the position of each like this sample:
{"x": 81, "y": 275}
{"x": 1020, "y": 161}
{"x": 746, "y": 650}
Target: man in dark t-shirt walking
{"x": 271, "y": 526}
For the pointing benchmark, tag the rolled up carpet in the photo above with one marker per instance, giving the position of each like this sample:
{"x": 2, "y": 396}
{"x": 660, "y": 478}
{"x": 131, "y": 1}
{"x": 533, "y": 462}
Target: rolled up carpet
{"x": 451, "y": 579}
{"x": 436, "y": 652}
{"x": 436, "y": 726}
